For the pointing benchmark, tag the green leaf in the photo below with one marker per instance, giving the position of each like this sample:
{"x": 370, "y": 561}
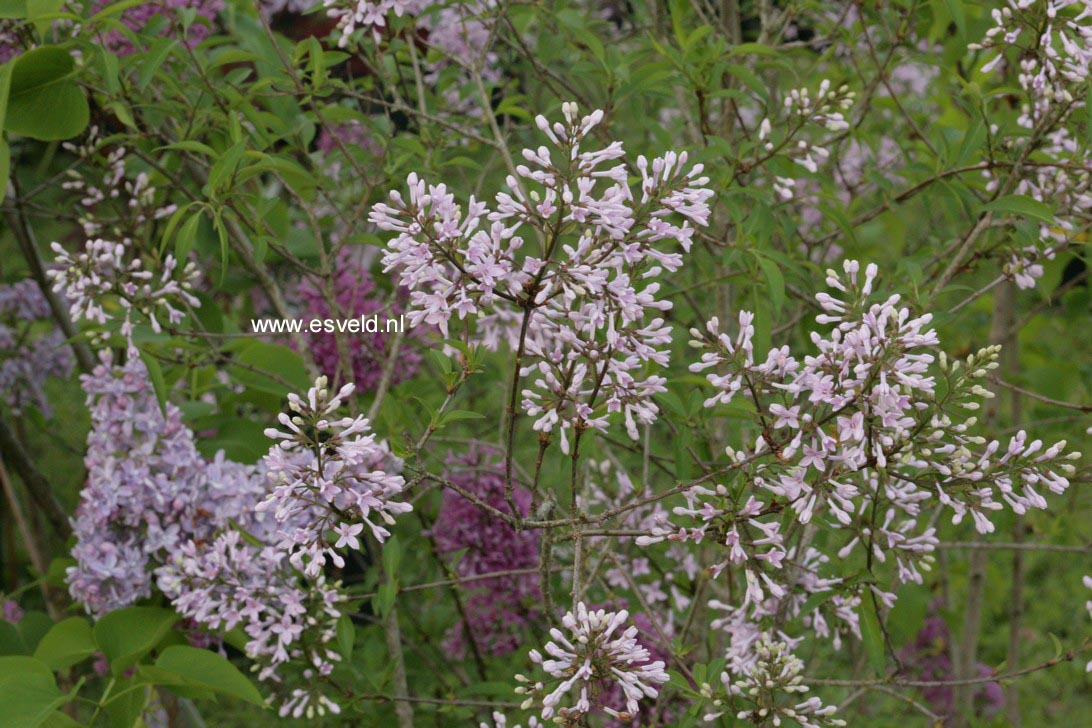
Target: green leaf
{"x": 127, "y": 635}
{"x": 5, "y": 90}
{"x": 775, "y": 282}
{"x": 392, "y": 556}
{"x": 346, "y": 636}
{"x": 11, "y": 642}
{"x": 277, "y": 360}
{"x": 152, "y": 60}
{"x": 28, "y": 699}
{"x": 19, "y": 665}
{"x": 127, "y": 703}
{"x": 209, "y": 670}
{"x": 873, "y": 639}
{"x": 455, "y": 415}
{"x": 385, "y": 596}
{"x": 44, "y": 102}
{"x": 187, "y": 235}
{"x": 1021, "y": 206}
{"x": 69, "y": 642}
{"x": 155, "y": 374}
{"x": 226, "y": 165}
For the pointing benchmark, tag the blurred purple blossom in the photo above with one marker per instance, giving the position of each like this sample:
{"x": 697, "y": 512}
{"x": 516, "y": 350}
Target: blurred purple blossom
{"x": 498, "y": 610}
{"x": 138, "y": 17}
{"x": 30, "y": 352}
{"x": 928, "y": 658}
{"x": 355, "y": 294}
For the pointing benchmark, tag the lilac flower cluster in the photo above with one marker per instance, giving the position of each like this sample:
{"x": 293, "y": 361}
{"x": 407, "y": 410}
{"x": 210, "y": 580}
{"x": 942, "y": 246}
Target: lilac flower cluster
{"x": 583, "y": 297}
{"x": 329, "y": 475}
{"x": 498, "y": 610}
{"x": 1064, "y": 182}
{"x": 803, "y": 111}
{"x": 758, "y": 693}
{"x": 928, "y": 658}
{"x": 148, "y": 490}
{"x": 116, "y": 204}
{"x": 153, "y": 512}
{"x": 373, "y": 15}
{"x": 354, "y": 292}
{"x": 108, "y": 275}
{"x": 10, "y": 611}
{"x": 860, "y": 427}
{"x": 660, "y": 595}
{"x": 28, "y": 355}
{"x": 1055, "y": 41}
{"x": 462, "y": 33}
{"x": 1055, "y": 59}
{"x": 138, "y": 17}
{"x": 234, "y": 581}
{"x": 597, "y": 654}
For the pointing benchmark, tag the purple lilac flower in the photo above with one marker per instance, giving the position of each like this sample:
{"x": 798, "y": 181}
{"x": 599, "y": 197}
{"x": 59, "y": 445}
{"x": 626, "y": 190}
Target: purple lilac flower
{"x": 354, "y": 291}
{"x": 28, "y": 355}
{"x": 148, "y": 489}
{"x": 138, "y": 17}
{"x": 929, "y": 659}
{"x": 12, "y": 612}
{"x": 500, "y": 609}
{"x": 11, "y": 45}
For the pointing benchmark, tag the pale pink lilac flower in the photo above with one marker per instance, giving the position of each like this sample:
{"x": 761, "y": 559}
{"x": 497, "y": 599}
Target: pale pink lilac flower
{"x": 117, "y": 200}
{"x": 112, "y": 271}
{"x": 768, "y": 690}
{"x": 597, "y": 653}
{"x": 372, "y": 15}
{"x": 855, "y": 438}
{"x": 328, "y": 471}
{"x": 583, "y": 293}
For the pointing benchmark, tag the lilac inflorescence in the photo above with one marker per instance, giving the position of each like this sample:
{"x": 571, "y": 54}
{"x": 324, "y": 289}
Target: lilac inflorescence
{"x": 330, "y": 475}
{"x": 578, "y": 305}
{"x": 598, "y": 653}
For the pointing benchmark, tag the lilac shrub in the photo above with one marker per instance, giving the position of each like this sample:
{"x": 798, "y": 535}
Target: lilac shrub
{"x": 384, "y": 535}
